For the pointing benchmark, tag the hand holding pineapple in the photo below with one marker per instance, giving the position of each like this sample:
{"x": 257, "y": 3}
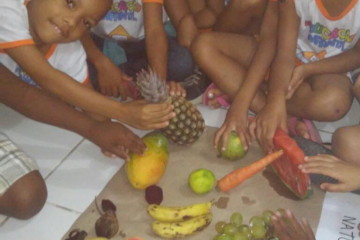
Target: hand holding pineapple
{"x": 143, "y": 115}
{"x": 188, "y": 124}
{"x": 175, "y": 89}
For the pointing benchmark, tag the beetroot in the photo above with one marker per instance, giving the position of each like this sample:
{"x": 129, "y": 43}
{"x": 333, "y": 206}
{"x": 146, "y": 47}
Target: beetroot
{"x": 153, "y": 194}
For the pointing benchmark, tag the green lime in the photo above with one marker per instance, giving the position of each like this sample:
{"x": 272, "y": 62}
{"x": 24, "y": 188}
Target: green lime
{"x": 201, "y": 181}
{"x": 234, "y": 149}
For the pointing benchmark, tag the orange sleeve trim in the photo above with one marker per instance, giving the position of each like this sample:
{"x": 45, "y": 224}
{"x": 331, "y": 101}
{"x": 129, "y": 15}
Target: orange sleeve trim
{"x": 327, "y": 15}
{"x": 86, "y": 81}
{"x": 17, "y": 43}
{"x": 153, "y": 1}
{"x": 51, "y": 51}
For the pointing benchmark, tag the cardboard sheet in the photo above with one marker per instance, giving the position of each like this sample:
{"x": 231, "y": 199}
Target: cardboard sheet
{"x": 262, "y": 192}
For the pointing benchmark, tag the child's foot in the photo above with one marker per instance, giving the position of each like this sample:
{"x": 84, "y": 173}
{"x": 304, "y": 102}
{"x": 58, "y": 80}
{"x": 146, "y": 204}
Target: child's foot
{"x": 304, "y": 128}
{"x": 215, "y": 98}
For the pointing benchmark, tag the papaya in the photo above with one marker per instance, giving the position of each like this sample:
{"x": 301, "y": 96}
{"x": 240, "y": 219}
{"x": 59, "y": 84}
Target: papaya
{"x": 146, "y": 170}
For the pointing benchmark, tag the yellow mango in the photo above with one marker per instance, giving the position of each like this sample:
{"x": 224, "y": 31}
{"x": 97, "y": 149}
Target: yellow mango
{"x": 147, "y": 170}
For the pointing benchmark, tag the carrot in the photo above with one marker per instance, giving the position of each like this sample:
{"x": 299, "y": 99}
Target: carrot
{"x": 239, "y": 175}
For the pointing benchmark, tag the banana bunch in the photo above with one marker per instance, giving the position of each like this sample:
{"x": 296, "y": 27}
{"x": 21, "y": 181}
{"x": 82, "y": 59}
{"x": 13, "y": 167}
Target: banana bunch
{"x": 173, "y": 222}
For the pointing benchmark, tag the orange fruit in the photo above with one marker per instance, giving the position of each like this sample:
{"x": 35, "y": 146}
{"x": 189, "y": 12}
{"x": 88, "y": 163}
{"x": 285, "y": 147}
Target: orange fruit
{"x": 234, "y": 149}
{"x": 201, "y": 181}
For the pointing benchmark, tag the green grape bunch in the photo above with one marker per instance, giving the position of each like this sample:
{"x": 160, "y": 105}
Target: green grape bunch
{"x": 258, "y": 228}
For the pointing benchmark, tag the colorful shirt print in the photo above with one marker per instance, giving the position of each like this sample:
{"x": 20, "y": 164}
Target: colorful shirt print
{"x": 124, "y": 21}
{"x": 321, "y": 35}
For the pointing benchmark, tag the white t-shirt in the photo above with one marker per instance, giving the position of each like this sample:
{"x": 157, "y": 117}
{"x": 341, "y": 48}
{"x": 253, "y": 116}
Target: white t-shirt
{"x": 322, "y": 36}
{"x": 124, "y": 21}
{"x": 69, "y": 58}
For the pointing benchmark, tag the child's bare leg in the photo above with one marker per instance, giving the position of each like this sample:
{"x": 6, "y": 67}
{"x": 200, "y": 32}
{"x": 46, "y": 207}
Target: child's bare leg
{"x": 219, "y": 56}
{"x": 346, "y": 142}
{"x": 25, "y": 197}
{"x": 324, "y": 97}
{"x": 196, "y": 5}
{"x": 241, "y": 16}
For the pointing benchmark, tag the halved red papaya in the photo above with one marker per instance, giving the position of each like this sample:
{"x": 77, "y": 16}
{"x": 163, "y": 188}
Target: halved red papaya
{"x": 287, "y": 166}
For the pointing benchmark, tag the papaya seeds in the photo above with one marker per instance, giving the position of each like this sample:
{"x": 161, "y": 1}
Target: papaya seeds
{"x": 153, "y": 194}
{"x": 107, "y": 224}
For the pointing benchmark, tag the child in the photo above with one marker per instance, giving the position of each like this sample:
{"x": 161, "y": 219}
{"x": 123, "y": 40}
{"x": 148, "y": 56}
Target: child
{"x": 237, "y": 64}
{"x": 30, "y": 33}
{"x": 22, "y": 189}
{"x": 318, "y": 45}
{"x": 243, "y": 17}
{"x": 138, "y": 27}
{"x": 344, "y": 166}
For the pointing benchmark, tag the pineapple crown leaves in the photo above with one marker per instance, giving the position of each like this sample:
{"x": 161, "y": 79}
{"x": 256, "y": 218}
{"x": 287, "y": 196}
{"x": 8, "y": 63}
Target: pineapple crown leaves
{"x": 151, "y": 87}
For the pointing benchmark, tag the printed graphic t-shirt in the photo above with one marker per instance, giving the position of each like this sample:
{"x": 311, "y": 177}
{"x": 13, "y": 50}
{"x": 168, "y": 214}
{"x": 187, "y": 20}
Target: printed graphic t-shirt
{"x": 69, "y": 58}
{"x": 321, "y": 35}
{"x": 125, "y": 20}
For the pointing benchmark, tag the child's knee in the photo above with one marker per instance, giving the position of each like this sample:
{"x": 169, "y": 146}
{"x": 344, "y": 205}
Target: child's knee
{"x": 334, "y": 105}
{"x": 26, "y": 197}
{"x": 345, "y": 143}
{"x": 202, "y": 46}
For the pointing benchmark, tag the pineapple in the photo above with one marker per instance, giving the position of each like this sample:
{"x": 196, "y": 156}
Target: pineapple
{"x": 188, "y": 124}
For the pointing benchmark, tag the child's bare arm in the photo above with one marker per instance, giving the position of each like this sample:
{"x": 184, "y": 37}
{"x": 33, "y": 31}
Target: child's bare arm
{"x": 346, "y": 173}
{"x": 216, "y": 6}
{"x": 157, "y": 44}
{"x": 137, "y": 114}
{"x": 155, "y": 37}
{"x": 196, "y": 5}
{"x": 236, "y": 118}
{"x": 183, "y": 21}
{"x": 40, "y": 106}
{"x": 338, "y": 64}
{"x": 274, "y": 115}
{"x": 110, "y": 78}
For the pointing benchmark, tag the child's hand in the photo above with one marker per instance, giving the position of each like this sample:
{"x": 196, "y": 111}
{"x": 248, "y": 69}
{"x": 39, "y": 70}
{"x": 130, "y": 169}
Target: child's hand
{"x": 287, "y": 227}
{"x": 235, "y": 121}
{"x": 271, "y": 117}
{"x": 175, "y": 89}
{"x": 111, "y": 80}
{"x": 142, "y": 115}
{"x": 116, "y": 139}
{"x": 347, "y": 174}
{"x": 297, "y": 78}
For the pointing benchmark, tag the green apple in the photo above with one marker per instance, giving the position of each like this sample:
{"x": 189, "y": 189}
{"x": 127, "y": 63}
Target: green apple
{"x": 234, "y": 149}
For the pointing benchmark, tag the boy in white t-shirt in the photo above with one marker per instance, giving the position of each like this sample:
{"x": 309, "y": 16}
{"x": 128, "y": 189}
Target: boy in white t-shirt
{"x": 38, "y": 40}
{"x": 22, "y": 188}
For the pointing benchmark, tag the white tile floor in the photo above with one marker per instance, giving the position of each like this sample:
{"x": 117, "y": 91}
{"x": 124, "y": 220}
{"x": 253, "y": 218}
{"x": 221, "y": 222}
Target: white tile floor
{"x": 71, "y": 166}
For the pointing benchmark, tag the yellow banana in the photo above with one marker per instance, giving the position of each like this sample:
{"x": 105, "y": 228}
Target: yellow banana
{"x": 176, "y": 214}
{"x": 183, "y": 228}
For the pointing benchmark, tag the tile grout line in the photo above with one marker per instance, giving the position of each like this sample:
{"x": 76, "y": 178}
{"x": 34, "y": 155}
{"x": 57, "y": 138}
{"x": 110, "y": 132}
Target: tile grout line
{"x": 63, "y": 160}
{"x": 64, "y": 208}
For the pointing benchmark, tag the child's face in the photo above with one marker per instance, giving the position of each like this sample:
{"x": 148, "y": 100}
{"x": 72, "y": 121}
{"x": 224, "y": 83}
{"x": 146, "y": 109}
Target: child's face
{"x": 60, "y": 21}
